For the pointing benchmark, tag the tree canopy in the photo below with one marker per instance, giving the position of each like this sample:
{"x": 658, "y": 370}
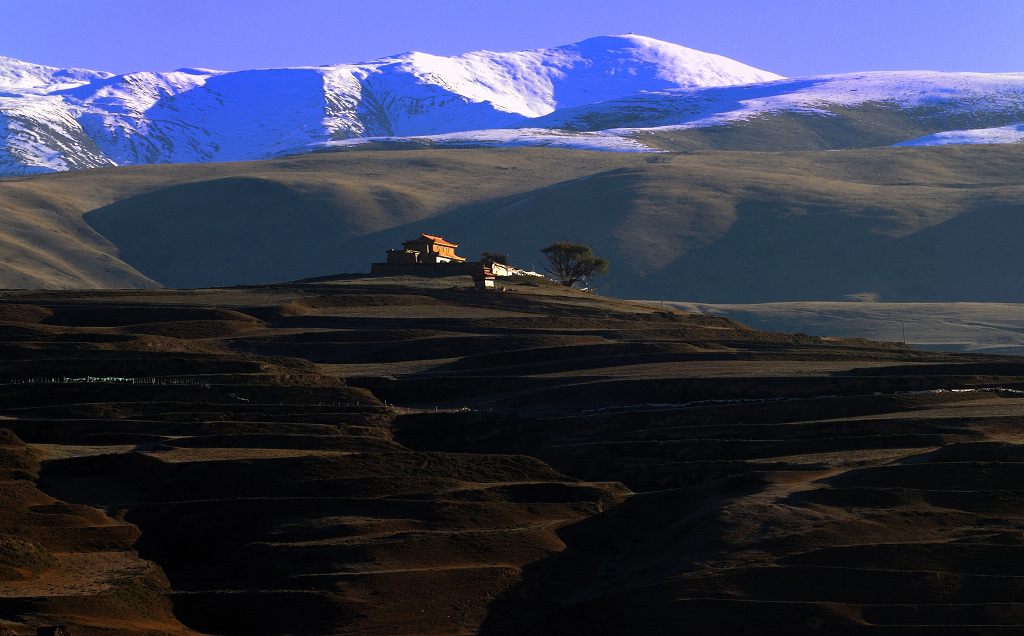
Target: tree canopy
{"x": 493, "y": 257}
{"x": 573, "y": 263}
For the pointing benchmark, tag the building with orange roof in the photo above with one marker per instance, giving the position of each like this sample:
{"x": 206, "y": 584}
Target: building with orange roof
{"x": 424, "y": 252}
{"x": 430, "y": 249}
{"x": 433, "y": 253}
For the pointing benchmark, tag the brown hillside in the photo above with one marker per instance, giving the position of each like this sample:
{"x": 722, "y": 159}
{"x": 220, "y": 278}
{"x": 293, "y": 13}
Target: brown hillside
{"x": 922, "y": 224}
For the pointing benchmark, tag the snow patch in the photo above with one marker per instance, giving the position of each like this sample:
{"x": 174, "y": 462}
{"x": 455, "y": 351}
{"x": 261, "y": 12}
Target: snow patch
{"x": 535, "y": 137}
{"x": 935, "y": 94}
{"x": 999, "y": 135}
{"x": 19, "y": 76}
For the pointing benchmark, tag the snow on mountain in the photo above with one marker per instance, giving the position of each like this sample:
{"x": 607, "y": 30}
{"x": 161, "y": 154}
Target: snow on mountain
{"x": 928, "y": 97}
{"x": 934, "y": 94}
{"x": 24, "y": 77}
{"x": 596, "y": 94}
{"x": 40, "y": 135}
{"x": 511, "y": 137}
{"x": 535, "y": 83}
{"x": 999, "y": 135}
{"x": 58, "y": 119}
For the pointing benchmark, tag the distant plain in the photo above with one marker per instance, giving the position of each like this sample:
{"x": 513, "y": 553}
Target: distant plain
{"x": 975, "y": 327}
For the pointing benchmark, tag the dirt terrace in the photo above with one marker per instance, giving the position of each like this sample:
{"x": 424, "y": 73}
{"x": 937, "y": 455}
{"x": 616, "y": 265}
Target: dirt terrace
{"x": 407, "y": 456}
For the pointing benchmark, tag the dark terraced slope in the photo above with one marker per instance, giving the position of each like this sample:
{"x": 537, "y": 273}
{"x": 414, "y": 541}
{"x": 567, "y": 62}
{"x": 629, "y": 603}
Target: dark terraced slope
{"x": 409, "y": 456}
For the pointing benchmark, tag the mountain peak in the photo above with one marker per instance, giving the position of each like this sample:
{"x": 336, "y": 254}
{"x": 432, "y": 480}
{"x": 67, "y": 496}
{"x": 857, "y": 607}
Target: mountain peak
{"x": 678, "y": 65}
{"x": 625, "y": 40}
{"x": 598, "y": 88}
{"x": 539, "y": 81}
{"x": 18, "y": 75}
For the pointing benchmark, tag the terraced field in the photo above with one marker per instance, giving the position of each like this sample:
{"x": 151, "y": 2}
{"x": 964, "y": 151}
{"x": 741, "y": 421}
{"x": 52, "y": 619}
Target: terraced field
{"x": 408, "y": 456}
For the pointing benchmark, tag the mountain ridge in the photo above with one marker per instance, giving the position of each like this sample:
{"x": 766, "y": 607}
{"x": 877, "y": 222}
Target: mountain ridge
{"x": 625, "y": 93}
{"x": 714, "y": 193}
{"x": 194, "y": 115}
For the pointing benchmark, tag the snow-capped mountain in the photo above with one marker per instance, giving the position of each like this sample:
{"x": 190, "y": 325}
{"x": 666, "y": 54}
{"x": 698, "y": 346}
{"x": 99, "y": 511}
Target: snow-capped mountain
{"x": 16, "y": 75}
{"x": 597, "y": 94}
{"x": 882, "y": 108}
{"x": 54, "y": 119}
{"x": 966, "y": 94}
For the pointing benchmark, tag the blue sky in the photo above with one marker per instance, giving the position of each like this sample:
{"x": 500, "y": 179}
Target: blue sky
{"x": 790, "y": 37}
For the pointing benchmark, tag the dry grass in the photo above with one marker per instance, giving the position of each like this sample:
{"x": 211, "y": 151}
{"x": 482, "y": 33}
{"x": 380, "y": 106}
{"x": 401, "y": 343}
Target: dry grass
{"x": 897, "y": 223}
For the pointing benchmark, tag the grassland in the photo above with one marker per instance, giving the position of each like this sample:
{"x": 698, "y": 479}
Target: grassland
{"x": 895, "y": 224}
{"x": 410, "y": 455}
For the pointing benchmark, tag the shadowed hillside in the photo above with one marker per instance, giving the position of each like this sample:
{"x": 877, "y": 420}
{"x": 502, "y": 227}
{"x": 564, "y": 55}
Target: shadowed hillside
{"x": 935, "y": 224}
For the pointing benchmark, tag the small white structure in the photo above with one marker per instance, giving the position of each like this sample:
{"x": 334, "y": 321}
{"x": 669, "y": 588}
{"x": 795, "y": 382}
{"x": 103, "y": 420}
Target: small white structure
{"x": 500, "y": 269}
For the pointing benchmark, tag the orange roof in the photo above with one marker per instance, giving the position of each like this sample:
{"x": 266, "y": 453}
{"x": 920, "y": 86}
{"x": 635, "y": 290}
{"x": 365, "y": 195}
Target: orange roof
{"x": 433, "y": 239}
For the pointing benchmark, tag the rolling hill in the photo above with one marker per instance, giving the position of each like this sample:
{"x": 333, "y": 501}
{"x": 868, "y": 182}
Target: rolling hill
{"x": 897, "y": 224}
{"x": 722, "y": 192}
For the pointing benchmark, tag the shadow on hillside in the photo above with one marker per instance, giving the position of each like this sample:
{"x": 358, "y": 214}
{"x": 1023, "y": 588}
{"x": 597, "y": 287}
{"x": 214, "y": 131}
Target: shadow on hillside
{"x": 771, "y": 254}
{"x": 665, "y": 236}
{"x": 243, "y": 230}
{"x": 615, "y": 574}
{"x": 238, "y": 230}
